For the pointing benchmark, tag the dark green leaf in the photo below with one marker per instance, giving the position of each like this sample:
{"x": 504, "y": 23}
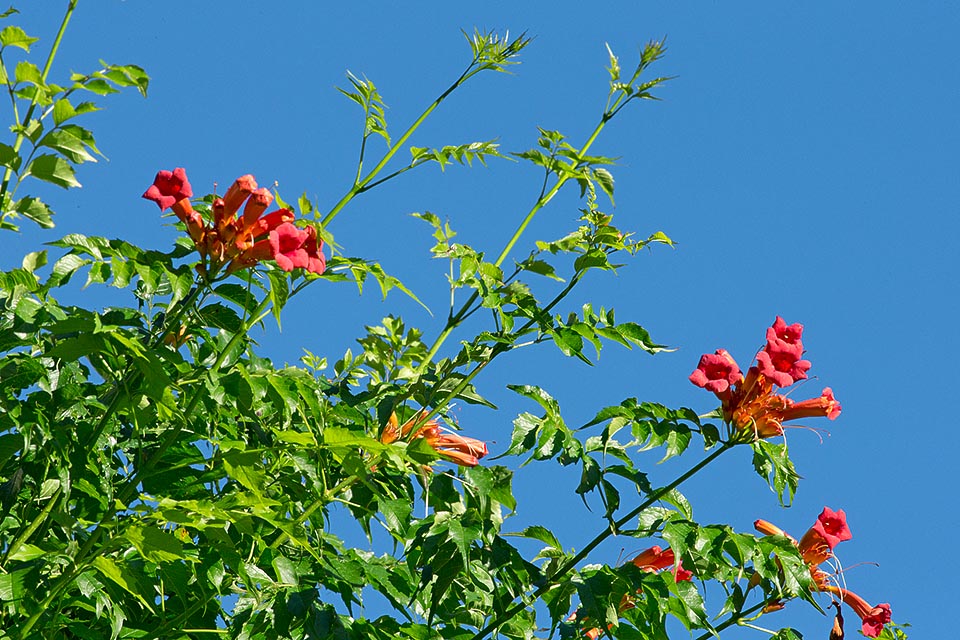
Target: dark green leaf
{"x": 9, "y": 157}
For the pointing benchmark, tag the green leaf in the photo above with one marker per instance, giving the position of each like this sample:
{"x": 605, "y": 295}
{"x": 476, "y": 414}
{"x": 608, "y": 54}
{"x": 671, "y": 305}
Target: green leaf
{"x": 604, "y": 180}
{"x": 33, "y": 209}
{"x": 246, "y": 468}
{"x": 537, "y": 532}
{"x": 772, "y": 463}
{"x": 12, "y": 585}
{"x": 127, "y": 75}
{"x": 279, "y": 292}
{"x": 16, "y": 37}
{"x": 35, "y": 260}
{"x": 9, "y": 157}
{"x": 10, "y": 443}
{"x": 286, "y": 571}
{"x": 154, "y": 544}
{"x": 53, "y": 169}
{"x": 27, "y": 72}
{"x": 222, "y": 317}
{"x": 120, "y": 576}
{"x": 64, "y": 141}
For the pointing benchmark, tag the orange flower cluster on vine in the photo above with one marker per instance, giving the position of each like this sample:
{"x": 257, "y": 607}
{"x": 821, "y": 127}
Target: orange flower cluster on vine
{"x": 240, "y": 239}
{"x": 749, "y": 402}
{"x": 461, "y": 450}
{"x": 816, "y": 546}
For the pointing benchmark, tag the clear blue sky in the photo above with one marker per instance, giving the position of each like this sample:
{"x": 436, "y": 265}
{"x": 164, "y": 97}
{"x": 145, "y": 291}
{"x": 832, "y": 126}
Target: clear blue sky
{"x": 805, "y": 159}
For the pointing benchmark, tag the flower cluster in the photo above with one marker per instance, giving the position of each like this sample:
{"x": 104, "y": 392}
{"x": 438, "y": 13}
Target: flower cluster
{"x": 749, "y": 402}
{"x": 651, "y": 560}
{"x": 240, "y": 239}
{"x": 816, "y": 546}
{"x": 461, "y": 450}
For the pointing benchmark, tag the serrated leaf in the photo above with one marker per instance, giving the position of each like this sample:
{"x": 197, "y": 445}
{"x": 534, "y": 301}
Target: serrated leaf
{"x": 27, "y": 72}
{"x": 246, "y": 468}
{"x": 120, "y": 576}
{"x": 604, "y": 180}
{"x": 9, "y": 157}
{"x": 34, "y": 209}
{"x": 154, "y": 544}
{"x": 537, "y": 532}
{"x": 53, "y": 169}
{"x": 14, "y": 36}
{"x": 34, "y": 260}
{"x": 64, "y": 141}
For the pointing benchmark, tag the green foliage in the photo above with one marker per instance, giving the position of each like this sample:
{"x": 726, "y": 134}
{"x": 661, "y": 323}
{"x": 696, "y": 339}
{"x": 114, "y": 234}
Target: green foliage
{"x": 161, "y": 478}
{"x": 41, "y": 112}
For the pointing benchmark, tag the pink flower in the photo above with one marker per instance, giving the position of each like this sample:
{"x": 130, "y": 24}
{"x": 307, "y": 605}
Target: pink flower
{"x": 872, "y": 618}
{"x": 286, "y": 245}
{"x": 830, "y": 529}
{"x": 168, "y": 188}
{"x": 780, "y": 362}
{"x": 316, "y": 261}
{"x": 271, "y": 221}
{"x": 832, "y": 525}
{"x": 790, "y": 334}
{"x": 716, "y": 372}
{"x": 816, "y": 546}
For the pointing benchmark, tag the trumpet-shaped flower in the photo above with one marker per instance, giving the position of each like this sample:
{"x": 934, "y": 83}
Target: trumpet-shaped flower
{"x": 461, "y": 450}
{"x": 816, "y": 546}
{"x": 240, "y": 242}
{"x": 168, "y": 188}
{"x": 749, "y": 403}
{"x": 657, "y": 559}
{"x": 717, "y": 372}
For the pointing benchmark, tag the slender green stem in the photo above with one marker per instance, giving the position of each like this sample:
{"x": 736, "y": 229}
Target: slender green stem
{"x": 597, "y": 540}
{"x": 358, "y": 186}
{"x": 30, "y": 530}
{"x": 500, "y": 348}
{"x": 18, "y": 142}
{"x": 732, "y": 620}
{"x": 544, "y": 198}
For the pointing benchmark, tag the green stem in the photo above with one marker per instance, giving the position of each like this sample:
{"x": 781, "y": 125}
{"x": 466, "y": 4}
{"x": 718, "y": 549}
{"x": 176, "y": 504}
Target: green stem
{"x": 598, "y": 539}
{"x": 732, "y": 620}
{"x": 41, "y": 517}
{"x": 500, "y": 348}
{"x": 18, "y": 142}
{"x": 457, "y": 318}
{"x": 358, "y": 186}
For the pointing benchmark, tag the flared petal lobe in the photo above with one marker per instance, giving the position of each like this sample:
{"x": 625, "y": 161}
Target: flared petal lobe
{"x": 716, "y": 372}
{"x": 286, "y": 242}
{"x": 168, "y": 188}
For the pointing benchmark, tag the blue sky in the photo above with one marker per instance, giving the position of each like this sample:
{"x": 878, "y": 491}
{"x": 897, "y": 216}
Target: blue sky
{"x": 804, "y": 159}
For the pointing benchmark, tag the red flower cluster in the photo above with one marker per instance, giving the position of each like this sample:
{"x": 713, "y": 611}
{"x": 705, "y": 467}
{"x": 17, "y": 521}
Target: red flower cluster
{"x": 816, "y": 546}
{"x": 652, "y": 560}
{"x": 240, "y": 240}
{"x": 749, "y": 403}
{"x": 458, "y": 449}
